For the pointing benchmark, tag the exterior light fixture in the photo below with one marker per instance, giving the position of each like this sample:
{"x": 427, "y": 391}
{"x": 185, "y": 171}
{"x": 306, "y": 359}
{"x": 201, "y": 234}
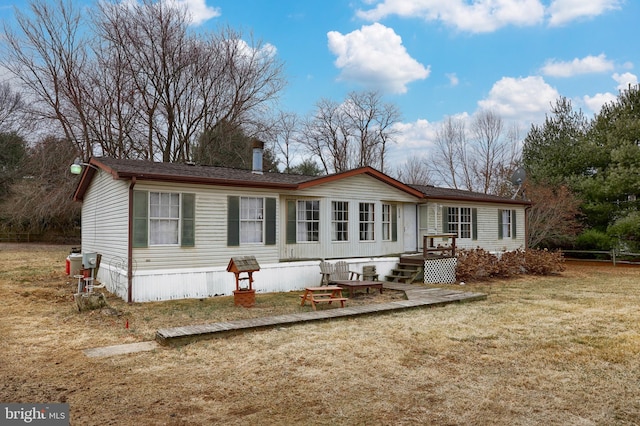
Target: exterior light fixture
{"x": 76, "y": 167}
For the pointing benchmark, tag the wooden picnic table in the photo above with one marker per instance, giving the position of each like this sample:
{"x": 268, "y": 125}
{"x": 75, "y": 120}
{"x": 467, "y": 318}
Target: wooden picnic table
{"x": 353, "y": 285}
{"x": 326, "y": 294}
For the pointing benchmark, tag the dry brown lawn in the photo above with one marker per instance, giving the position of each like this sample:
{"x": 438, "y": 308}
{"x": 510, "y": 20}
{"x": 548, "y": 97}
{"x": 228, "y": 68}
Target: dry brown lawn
{"x": 540, "y": 350}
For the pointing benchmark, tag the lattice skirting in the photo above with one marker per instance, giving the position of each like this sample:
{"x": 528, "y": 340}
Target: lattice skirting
{"x": 440, "y": 271}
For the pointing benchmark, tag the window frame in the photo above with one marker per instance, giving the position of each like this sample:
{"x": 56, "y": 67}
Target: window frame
{"x": 158, "y": 216}
{"x": 245, "y": 219}
{"x": 367, "y": 221}
{"x": 142, "y": 219}
{"x": 387, "y": 220}
{"x": 339, "y": 219}
{"x": 465, "y": 225}
{"x": 305, "y": 225}
{"x": 507, "y": 228}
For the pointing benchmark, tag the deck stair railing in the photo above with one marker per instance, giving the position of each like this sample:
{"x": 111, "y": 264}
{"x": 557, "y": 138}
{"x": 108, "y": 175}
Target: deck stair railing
{"x": 431, "y": 248}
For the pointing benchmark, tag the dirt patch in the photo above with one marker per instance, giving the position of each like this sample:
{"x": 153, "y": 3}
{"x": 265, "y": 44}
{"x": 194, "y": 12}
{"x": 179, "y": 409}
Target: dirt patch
{"x": 539, "y": 350}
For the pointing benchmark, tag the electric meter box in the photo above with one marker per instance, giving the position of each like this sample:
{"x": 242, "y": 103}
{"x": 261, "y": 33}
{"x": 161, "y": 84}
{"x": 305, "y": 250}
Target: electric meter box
{"x": 89, "y": 260}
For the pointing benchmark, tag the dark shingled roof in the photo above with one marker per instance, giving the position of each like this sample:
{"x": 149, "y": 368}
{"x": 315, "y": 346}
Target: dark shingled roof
{"x": 149, "y": 170}
{"x": 430, "y": 191}
{"x": 225, "y": 176}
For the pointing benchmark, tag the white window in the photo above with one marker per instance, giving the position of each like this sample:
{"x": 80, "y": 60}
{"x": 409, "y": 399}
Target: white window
{"x": 164, "y": 218}
{"x": 386, "y": 222}
{"x": 308, "y": 222}
{"x": 505, "y": 224}
{"x": 251, "y": 219}
{"x": 459, "y": 221}
{"x": 340, "y": 220}
{"x": 367, "y": 221}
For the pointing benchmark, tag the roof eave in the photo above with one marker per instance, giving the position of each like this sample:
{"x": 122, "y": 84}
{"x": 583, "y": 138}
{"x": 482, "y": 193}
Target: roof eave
{"x": 362, "y": 170}
{"x": 478, "y": 200}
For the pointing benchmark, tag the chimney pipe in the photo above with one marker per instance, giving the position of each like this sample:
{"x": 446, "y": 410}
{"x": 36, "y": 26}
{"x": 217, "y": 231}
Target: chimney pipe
{"x": 258, "y": 149}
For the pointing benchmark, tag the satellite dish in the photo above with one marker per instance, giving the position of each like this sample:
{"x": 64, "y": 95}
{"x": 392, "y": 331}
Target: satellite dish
{"x": 518, "y": 177}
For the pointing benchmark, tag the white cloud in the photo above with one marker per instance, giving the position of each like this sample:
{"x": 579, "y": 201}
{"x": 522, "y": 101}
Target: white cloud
{"x": 524, "y": 100}
{"x": 478, "y": 17}
{"x": 563, "y": 11}
{"x": 624, "y": 80}
{"x": 595, "y": 103}
{"x": 374, "y": 56}
{"x": 587, "y": 65}
{"x": 453, "y": 79}
{"x": 198, "y": 10}
{"x": 418, "y": 134}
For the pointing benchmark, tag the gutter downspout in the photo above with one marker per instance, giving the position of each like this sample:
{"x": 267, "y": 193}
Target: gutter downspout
{"x": 526, "y": 226}
{"x": 130, "y": 244}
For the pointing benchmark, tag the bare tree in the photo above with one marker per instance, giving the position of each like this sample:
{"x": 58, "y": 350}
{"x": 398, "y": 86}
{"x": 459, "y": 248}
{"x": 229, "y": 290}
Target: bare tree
{"x": 488, "y": 149}
{"x": 416, "y": 171}
{"x": 448, "y": 160}
{"x": 286, "y": 135}
{"x": 554, "y": 215}
{"x": 13, "y": 118}
{"x": 351, "y": 134}
{"x": 40, "y": 200}
{"x": 144, "y": 86}
{"x": 48, "y": 55}
{"x": 324, "y": 137}
{"x": 480, "y": 161}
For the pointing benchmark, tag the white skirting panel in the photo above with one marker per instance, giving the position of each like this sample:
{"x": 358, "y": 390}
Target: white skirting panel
{"x": 440, "y": 271}
{"x": 198, "y": 283}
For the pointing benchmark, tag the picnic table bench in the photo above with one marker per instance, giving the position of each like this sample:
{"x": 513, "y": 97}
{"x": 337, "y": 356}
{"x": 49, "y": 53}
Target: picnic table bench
{"x": 326, "y": 294}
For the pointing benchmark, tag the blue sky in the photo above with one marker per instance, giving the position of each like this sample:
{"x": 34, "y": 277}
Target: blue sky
{"x": 439, "y": 58}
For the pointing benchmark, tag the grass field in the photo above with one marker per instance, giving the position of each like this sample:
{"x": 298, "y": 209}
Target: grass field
{"x": 540, "y": 350}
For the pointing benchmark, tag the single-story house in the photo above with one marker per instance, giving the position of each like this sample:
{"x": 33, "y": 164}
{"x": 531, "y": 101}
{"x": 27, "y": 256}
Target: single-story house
{"x": 168, "y": 231}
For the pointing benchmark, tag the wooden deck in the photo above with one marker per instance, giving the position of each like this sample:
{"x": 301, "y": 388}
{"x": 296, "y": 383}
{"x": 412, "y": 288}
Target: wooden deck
{"x": 417, "y": 296}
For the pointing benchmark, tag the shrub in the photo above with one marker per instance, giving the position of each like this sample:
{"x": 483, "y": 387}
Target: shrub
{"x": 627, "y": 229}
{"x": 543, "y": 262}
{"x": 479, "y": 264}
{"x": 592, "y": 239}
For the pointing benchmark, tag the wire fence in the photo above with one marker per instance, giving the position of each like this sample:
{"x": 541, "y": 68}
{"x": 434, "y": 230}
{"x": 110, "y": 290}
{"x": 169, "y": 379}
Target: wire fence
{"x": 18, "y": 237}
{"x": 614, "y": 255}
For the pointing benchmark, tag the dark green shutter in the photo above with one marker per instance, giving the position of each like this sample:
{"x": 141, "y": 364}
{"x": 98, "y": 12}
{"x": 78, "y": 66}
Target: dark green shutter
{"x": 394, "y": 223}
{"x": 513, "y": 224}
{"x": 499, "y": 224}
{"x": 445, "y": 220}
{"x": 140, "y": 219}
{"x": 291, "y": 222}
{"x": 188, "y": 237}
{"x": 474, "y": 223}
{"x": 270, "y": 221}
{"x": 233, "y": 221}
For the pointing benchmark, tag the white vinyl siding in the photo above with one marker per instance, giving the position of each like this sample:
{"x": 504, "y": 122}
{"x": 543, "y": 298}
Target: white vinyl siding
{"x": 211, "y": 249}
{"x": 360, "y": 189}
{"x": 485, "y": 222}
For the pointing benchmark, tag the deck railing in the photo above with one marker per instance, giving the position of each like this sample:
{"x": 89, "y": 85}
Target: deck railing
{"x": 430, "y": 249}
